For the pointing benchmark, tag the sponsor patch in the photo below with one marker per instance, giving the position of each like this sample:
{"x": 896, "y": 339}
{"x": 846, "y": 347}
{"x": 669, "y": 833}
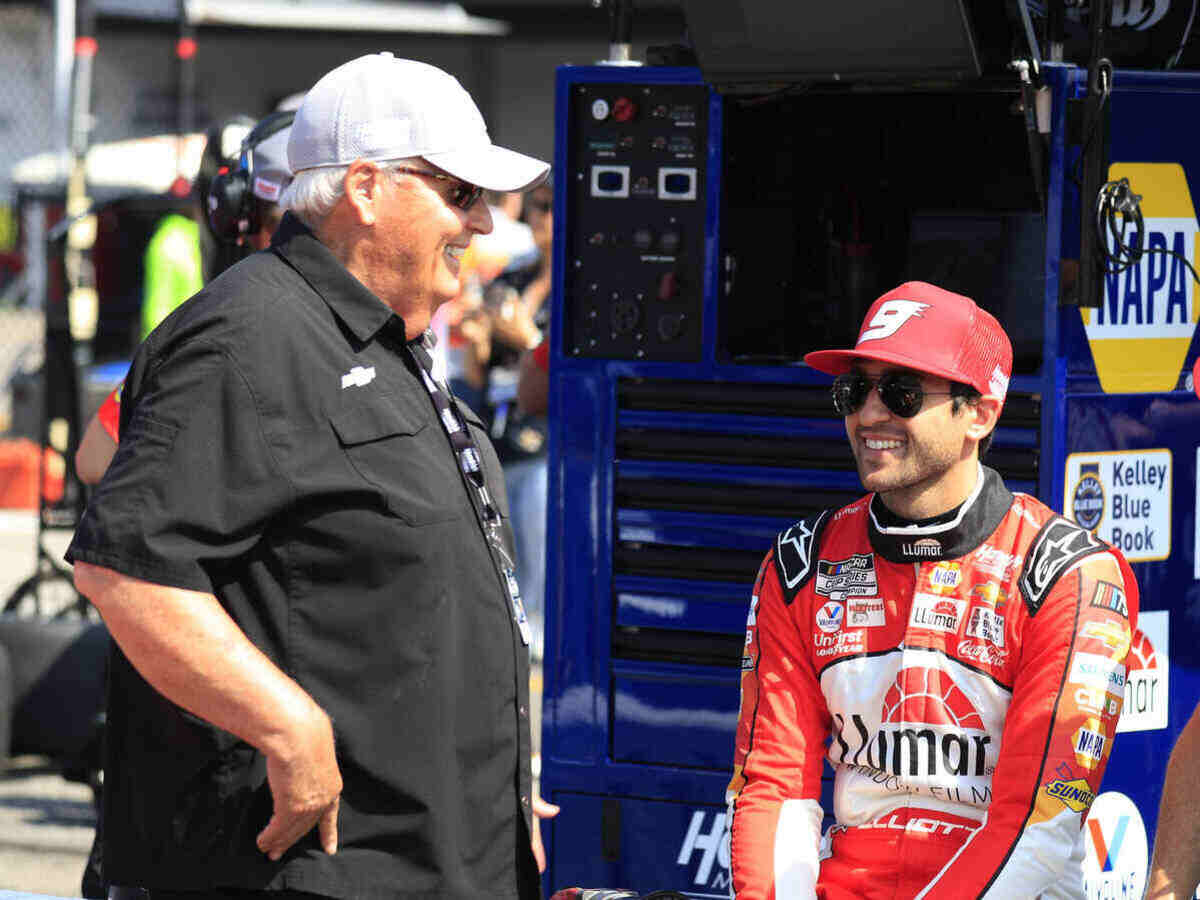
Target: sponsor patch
{"x": 945, "y": 576}
{"x": 1110, "y": 597}
{"x": 937, "y": 613}
{"x": 994, "y": 561}
{"x": 1074, "y": 794}
{"x": 1097, "y": 701}
{"x": 983, "y": 623}
{"x": 750, "y": 651}
{"x": 989, "y": 594}
{"x": 1113, "y": 635}
{"x": 838, "y": 643}
{"x": 1097, "y": 671}
{"x": 925, "y": 548}
{"x": 1089, "y": 744}
{"x": 853, "y": 577}
{"x": 831, "y": 617}
{"x": 865, "y": 612}
{"x": 987, "y": 654}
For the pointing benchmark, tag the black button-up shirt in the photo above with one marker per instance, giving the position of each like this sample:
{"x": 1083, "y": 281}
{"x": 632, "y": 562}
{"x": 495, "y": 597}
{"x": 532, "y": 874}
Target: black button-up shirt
{"x": 279, "y": 450}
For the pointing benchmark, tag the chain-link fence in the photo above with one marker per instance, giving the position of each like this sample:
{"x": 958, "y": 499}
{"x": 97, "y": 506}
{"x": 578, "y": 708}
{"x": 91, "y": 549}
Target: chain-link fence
{"x": 27, "y": 88}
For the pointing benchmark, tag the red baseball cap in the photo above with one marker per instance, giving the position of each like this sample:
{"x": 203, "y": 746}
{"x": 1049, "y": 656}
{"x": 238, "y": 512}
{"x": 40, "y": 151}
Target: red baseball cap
{"x": 922, "y": 327}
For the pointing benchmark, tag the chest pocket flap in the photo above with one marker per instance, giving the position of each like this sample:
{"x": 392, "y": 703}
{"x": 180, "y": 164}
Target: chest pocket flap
{"x": 383, "y": 417}
{"x": 391, "y": 445}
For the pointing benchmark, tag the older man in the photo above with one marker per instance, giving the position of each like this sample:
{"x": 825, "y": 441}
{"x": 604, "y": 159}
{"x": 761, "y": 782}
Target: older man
{"x": 302, "y": 550}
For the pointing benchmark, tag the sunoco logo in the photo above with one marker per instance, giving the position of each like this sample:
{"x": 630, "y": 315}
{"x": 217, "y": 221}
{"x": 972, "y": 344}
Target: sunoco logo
{"x": 1087, "y": 500}
{"x": 928, "y": 727}
{"x": 1141, "y": 333}
{"x": 1074, "y": 794}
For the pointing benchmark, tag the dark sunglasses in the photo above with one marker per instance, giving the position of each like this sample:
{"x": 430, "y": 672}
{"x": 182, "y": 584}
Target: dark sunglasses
{"x": 462, "y": 194}
{"x": 901, "y": 393}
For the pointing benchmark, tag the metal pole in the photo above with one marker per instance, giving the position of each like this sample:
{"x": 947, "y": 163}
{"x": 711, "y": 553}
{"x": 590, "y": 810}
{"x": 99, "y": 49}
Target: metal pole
{"x": 185, "y": 53}
{"x": 64, "y": 54}
{"x": 1095, "y": 161}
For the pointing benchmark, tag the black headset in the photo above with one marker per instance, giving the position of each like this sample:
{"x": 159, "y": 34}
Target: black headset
{"x": 232, "y": 213}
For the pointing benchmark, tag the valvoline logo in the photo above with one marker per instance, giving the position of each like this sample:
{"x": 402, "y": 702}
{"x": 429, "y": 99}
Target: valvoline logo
{"x": 1141, "y": 333}
{"x": 1116, "y": 854}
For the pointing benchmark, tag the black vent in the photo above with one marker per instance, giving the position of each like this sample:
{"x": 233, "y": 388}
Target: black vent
{"x": 780, "y": 400}
{"x": 715, "y": 498}
{"x": 694, "y": 563}
{"x": 687, "y": 647}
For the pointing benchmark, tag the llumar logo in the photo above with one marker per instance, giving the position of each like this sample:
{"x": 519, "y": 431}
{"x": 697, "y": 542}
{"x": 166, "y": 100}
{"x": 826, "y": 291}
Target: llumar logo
{"x": 1141, "y": 333}
{"x": 928, "y": 727}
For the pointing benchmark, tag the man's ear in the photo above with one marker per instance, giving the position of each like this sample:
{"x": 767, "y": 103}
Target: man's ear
{"x": 984, "y": 412}
{"x": 363, "y": 185}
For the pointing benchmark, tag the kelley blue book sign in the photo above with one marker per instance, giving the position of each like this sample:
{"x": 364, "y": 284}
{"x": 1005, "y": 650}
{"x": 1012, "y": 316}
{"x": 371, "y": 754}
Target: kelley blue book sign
{"x": 1124, "y": 498}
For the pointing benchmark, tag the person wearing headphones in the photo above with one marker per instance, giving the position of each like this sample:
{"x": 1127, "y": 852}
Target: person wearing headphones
{"x": 243, "y": 210}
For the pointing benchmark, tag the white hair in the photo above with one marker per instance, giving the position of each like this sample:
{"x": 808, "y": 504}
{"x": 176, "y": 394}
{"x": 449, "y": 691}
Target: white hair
{"x": 314, "y": 193}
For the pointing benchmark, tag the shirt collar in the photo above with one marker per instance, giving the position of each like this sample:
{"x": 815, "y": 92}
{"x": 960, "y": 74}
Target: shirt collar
{"x": 947, "y": 536}
{"x": 351, "y": 300}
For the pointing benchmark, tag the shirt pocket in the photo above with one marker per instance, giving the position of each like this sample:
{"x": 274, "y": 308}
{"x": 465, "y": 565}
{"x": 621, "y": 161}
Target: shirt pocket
{"x": 393, "y": 448}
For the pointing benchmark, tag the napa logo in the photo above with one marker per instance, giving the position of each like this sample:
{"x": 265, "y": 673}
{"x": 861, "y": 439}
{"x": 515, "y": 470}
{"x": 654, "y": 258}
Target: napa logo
{"x": 1141, "y": 333}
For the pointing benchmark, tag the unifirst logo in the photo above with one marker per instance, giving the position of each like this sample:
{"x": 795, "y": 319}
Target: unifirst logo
{"x": 1141, "y": 333}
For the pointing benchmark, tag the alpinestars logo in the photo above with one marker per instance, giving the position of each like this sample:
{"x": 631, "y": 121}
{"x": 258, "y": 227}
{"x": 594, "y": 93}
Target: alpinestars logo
{"x": 1059, "y": 545}
{"x": 928, "y": 727}
{"x": 794, "y": 551}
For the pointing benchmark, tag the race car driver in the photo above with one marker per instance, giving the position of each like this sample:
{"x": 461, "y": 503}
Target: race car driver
{"x": 953, "y": 650}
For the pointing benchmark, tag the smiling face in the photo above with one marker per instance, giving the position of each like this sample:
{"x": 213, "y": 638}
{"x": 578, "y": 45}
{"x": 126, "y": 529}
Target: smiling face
{"x": 401, "y": 234}
{"x": 921, "y": 466}
{"x": 425, "y": 236}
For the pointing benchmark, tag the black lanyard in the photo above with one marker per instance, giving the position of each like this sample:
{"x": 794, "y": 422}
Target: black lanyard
{"x": 469, "y": 461}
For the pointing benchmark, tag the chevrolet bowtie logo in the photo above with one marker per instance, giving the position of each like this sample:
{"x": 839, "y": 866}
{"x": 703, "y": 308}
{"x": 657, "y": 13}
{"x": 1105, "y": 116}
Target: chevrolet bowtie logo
{"x": 358, "y": 377}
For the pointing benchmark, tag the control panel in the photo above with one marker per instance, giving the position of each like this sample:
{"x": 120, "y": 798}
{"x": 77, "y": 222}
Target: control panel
{"x": 635, "y": 233}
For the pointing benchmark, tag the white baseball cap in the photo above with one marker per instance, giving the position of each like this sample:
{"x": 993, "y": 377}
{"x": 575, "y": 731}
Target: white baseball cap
{"x": 269, "y": 173}
{"x": 380, "y": 108}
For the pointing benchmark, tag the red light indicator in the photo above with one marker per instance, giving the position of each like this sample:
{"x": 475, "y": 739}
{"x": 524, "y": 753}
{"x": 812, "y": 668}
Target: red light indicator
{"x": 624, "y": 109}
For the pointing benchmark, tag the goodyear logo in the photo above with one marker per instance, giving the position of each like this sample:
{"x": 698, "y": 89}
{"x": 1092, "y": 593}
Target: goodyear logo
{"x": 1141, "y": 333}
{"x": 1074, "y": 794}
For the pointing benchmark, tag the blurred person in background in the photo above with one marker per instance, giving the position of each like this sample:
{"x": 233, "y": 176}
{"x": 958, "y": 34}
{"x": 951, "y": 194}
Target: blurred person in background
{"x": 269, "y": 177}
{"x": 518, "y": 306}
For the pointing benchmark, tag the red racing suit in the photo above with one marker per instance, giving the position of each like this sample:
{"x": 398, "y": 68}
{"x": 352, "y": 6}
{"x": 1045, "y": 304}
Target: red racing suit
{"x": 963, "y": 677}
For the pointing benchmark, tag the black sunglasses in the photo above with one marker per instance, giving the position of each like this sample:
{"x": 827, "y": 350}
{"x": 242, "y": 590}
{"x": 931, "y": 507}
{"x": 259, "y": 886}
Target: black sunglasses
{"x": 463, "y": 194}
{"x": 901, "y": 393}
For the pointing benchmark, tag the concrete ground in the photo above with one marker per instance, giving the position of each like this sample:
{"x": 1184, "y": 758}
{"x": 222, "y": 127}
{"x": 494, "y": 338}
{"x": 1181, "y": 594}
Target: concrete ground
{"x": 46, "y": 822}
